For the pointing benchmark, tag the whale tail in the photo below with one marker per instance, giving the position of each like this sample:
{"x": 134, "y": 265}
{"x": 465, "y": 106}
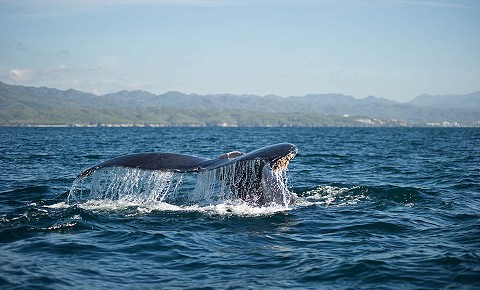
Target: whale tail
{"x": 254, "y": 177}
{"x": 275, "y": 155}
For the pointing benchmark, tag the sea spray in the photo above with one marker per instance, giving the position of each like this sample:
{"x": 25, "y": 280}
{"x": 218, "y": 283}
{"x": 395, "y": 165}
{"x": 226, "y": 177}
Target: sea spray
{"x": 244, "y": 182}
{"x": 124, "y": 184}
{"x": 229, "y": 183}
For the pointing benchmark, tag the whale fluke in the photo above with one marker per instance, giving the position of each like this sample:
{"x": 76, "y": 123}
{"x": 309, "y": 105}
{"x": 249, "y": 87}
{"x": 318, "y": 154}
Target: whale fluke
{"x": 259, "y": 182}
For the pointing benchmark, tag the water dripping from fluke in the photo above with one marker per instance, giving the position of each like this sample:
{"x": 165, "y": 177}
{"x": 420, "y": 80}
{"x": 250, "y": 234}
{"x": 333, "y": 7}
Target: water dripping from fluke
{"x": 248, "y": 183}
{"x": 257, "y": 179}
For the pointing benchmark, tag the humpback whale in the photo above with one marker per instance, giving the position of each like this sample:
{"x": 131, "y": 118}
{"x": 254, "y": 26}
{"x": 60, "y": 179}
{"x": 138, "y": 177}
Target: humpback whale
{"x": 255, "y": 177}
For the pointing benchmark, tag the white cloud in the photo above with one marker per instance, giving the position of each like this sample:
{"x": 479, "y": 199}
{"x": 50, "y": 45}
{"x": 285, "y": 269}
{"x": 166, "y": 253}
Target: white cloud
{"x": 20, "y": 75}
{"x": 33, "y": 75}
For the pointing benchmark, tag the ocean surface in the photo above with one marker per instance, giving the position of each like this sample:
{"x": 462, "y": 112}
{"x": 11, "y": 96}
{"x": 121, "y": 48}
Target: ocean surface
{"x": 377, "y": 208}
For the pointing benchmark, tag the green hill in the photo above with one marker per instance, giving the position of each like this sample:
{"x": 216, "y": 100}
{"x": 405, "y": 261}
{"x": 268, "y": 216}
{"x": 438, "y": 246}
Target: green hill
{"x": 22, "y": 105}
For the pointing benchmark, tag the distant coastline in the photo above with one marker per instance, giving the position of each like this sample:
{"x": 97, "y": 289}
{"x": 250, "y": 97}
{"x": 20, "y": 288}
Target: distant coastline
{"x": 22, "y": 106}
{"x": 133, "y": 125}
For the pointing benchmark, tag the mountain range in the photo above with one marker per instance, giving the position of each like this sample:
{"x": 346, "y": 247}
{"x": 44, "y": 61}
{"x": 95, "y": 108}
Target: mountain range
{"x": 23, "y": 105}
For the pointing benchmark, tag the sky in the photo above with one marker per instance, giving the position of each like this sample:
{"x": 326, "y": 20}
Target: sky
{"x": 394, "y": 49}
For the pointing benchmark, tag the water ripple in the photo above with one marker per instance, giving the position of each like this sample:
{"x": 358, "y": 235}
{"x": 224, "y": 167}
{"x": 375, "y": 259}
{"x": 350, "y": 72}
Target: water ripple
{"x": 377, "y": 208}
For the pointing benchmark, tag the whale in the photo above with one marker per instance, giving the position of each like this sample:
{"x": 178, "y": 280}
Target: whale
{"x": 255, "y": 177}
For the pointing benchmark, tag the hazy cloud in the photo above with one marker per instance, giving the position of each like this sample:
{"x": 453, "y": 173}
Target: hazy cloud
{"x": 101, "y": 87}
{"x": 33, "y": 75}
{"x": 21, "y": 46}
{"x": 21, "y": 75}
{"x": 444, "y": 4}
{"x": 87, "y": 3}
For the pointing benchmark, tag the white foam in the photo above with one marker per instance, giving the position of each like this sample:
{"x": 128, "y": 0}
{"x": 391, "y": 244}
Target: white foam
{"x": 59, "y": 205}
{"x": 331, "y": 196}
{"x": 133, "y": 208}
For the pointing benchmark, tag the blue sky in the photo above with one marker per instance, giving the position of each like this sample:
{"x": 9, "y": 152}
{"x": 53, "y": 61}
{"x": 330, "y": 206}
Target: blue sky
{"x": 395, "y": 49}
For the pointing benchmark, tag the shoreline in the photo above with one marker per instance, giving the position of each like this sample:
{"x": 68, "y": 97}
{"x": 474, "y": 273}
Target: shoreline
{"x": 224, "y": 125}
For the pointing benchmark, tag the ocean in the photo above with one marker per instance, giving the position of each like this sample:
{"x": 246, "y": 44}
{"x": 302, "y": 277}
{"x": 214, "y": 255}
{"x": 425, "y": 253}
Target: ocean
{"x": 377, "y": 208}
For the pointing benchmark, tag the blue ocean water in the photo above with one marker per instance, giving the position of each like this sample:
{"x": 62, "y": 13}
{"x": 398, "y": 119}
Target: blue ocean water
{"x": 377, "y": 208}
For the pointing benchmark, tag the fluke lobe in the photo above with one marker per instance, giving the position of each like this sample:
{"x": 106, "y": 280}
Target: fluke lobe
{"x": 255, "y": 177}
